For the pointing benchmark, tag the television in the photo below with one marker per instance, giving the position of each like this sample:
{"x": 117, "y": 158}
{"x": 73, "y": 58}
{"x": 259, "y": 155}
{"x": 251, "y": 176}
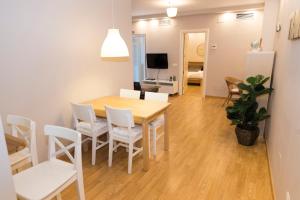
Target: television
{"x": 157, "y": 60}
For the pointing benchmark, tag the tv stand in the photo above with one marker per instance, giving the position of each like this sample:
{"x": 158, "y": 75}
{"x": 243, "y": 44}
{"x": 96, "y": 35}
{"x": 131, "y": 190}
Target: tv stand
{"x": 165, "y": 86}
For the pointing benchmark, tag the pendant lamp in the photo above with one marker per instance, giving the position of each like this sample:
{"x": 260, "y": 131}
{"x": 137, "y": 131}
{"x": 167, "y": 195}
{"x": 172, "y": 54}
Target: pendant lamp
{"x": 114, "y": 45}
{"x": 171, "y": 10}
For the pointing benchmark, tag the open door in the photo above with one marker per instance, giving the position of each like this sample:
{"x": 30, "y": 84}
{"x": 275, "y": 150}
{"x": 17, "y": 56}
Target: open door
{"x": 193, "y": 59}
{"x": 185, "y": 63}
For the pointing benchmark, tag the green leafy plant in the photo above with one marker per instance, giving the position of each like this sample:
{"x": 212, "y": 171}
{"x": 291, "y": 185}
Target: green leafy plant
{"x": 245, "y": 113}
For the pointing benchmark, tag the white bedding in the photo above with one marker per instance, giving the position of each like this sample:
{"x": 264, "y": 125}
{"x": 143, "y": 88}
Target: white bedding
{"x": 196, "y": 75}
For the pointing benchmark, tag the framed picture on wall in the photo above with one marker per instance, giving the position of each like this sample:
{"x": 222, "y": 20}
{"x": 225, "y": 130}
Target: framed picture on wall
{"x": 294, "y": 32}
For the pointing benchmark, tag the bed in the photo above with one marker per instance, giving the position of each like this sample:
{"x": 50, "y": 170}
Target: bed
{"x": 195, "y": 73}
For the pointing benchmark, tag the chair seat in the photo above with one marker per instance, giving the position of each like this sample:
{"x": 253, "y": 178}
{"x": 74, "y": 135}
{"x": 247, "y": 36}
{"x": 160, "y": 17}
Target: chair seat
{"x": 124, "y": 134}
{"x": 43, "y": 179}
{"x": 100, "y": 126}
{"x": 157, "y": 122}
{"x": 235, "y": 90}
{"x": 19, "y": 156}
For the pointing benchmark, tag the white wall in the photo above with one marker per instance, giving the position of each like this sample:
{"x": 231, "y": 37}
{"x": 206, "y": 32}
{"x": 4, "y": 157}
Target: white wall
{"x": 49, "y": 57}
{"x": 233, "y": 39}
{"x": 284, "y": 127}
{"x": 269, "y": 24}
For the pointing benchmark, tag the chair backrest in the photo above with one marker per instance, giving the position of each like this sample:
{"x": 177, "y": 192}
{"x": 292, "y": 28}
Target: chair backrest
{"x": 25, "y": 129}
{"x": 55, "y": 134}
{"x": 83, "y": 112}
{"x": 132, "y": 94}
{"x": 119, "y": 117}
{"x": 232, "y": 82}
{"x": 137, "y": 86}
{"x": 163, "y": 97}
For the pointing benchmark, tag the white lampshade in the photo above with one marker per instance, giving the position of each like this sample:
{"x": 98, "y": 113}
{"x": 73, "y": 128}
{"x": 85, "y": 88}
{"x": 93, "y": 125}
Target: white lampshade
{"x": 114, "y": 45}
{"x": 171, "y": 12}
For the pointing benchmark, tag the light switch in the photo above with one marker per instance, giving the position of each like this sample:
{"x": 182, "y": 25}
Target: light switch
{"x": 213, "y": 46}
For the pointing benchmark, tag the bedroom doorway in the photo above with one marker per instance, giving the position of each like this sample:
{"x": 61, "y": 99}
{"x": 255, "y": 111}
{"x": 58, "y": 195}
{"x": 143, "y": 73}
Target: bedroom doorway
{"x": 194, "y": 61}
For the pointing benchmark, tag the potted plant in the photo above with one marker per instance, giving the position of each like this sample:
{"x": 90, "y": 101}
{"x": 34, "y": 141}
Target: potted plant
{"x": 245, "y": 112}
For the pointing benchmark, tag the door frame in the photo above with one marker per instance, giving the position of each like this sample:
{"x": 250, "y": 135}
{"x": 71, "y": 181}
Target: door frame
{"x": 144, "y": 36}
{"x": 181, "y": 59}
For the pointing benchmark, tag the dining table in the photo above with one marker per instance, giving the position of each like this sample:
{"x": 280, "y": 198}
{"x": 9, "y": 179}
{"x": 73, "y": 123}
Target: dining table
{"x": 144, "y": 112}
{"x": 13, "y": 143}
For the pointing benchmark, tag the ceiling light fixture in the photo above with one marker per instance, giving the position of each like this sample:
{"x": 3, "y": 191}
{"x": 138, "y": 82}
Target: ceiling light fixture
{"x": 114, "y": 46}
{"x": 171, "y": 10}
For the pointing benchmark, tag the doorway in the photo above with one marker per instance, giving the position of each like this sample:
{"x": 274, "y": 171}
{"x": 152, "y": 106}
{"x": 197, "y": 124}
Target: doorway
{"x": 194, "y": 45}
{"x": 139, "y": 59}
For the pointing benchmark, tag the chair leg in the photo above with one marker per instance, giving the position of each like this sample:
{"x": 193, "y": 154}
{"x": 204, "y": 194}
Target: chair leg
{"x": 154, "y": 143}
{"x": 110, "y": 151}
{"x": 226, "y": 100}
{"x": 130, "y": 155}
{"x": 80, "y": 188}
{"x": 229, "y": 99}
{"x": 94, "y": 143}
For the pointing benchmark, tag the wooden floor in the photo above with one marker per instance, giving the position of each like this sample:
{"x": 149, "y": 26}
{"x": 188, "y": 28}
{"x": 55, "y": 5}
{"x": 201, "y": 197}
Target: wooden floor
{"x": 204, "y": 162}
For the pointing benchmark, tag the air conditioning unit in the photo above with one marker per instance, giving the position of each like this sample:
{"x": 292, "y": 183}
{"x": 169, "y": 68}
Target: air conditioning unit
{"x": 243, "y": 16}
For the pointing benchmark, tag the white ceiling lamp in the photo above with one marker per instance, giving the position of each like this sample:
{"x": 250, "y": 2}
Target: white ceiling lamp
{"x": 114, "y": 46}
{"x": 171, "y": 10}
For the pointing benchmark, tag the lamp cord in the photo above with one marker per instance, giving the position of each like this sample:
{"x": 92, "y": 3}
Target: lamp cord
{"x": 170, "y": 3}
{"x": 112, "y": 13}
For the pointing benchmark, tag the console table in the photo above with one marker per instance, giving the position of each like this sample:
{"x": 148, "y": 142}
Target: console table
{"x": 165, "y": 86}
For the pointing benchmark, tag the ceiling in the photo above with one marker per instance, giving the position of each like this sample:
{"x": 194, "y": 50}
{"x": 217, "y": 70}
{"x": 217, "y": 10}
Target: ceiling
{"x": 188, "y": 7}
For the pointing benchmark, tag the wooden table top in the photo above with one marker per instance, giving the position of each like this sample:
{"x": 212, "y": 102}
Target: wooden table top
{"x": 14, "y": 144}
{"x": 141, "y": 109}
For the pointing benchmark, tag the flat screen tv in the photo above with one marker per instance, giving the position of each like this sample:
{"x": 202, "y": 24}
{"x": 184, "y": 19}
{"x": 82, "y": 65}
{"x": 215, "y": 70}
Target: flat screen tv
{"x": 157, "y": 60}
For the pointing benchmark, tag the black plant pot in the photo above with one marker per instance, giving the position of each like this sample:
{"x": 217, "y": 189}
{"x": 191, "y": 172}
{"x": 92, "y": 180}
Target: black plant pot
{"x": 246, "y": 137}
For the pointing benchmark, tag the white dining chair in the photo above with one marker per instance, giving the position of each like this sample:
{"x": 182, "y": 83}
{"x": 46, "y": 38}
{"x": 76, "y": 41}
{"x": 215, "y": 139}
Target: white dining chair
{"x": 132, "y": 94}
{"x": 89, "y": 125}
{"x": 48, "y": 179}
{"x": 160, "y": 121}
{"x": 6, "y": 183}
{"x": 123, "y": 130}
{"x": 23, "y": 128}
